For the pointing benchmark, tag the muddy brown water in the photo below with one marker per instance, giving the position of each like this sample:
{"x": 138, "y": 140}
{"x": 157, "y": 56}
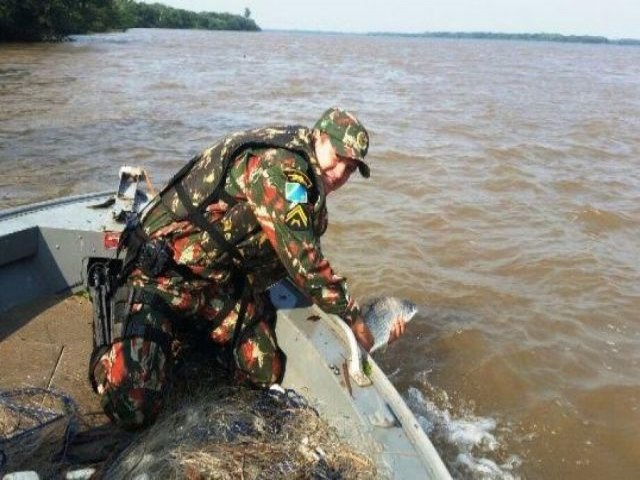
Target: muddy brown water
{"x": 504, "y": 200}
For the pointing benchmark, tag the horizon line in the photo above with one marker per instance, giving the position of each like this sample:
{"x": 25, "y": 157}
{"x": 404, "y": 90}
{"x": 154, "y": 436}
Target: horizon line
{"x": 451, "y": 32}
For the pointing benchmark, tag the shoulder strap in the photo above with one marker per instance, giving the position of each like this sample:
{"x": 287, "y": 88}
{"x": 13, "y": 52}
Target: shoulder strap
{"x": 203, "y": 177}
{"x": 196, "y": 217}
{"x": 201, "y": 181}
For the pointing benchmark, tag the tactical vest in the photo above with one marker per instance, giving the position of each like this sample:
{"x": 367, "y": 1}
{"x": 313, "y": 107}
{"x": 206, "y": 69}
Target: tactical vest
{"x": 201, "y": 182}
{"x": 197, "y": 185}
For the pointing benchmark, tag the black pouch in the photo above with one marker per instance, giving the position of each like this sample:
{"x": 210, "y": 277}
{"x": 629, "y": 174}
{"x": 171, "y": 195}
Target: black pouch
{"x": 155, "y": 257}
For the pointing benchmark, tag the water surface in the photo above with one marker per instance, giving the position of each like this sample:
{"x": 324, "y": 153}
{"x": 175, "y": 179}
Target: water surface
{"x": 504, "y": 199}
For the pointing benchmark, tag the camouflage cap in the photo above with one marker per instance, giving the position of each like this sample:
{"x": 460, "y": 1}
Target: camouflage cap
{"x": 347, "y": 135}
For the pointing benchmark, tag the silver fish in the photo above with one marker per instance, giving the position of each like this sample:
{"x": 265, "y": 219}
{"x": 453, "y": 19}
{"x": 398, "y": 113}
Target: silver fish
{"x": 379, "y": 314}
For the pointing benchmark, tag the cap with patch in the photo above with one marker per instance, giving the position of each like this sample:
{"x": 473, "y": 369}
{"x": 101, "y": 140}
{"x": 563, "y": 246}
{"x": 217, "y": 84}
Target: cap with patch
{"x": 347, "y": 135}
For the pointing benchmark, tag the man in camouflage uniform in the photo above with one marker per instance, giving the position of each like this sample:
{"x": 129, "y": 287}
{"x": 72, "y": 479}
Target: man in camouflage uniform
{"x": 244, "y": 214}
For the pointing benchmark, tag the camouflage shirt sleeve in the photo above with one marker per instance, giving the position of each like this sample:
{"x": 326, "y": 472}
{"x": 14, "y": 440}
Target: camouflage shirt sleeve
{"x": 281, "y": 201}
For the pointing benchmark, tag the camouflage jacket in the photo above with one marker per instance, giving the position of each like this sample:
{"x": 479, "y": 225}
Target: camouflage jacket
{"x": 276, "y": 225}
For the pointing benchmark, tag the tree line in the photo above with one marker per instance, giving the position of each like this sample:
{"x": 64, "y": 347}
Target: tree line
{"x": 537, "y": 37}
{"x": 51, "y": 20}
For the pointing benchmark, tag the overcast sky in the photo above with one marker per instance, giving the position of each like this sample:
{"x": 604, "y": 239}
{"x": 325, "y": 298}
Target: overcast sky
{"x": 610, "y": 18}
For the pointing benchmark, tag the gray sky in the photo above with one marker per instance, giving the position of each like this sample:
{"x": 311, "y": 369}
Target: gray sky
{"x": 610, "y": 18}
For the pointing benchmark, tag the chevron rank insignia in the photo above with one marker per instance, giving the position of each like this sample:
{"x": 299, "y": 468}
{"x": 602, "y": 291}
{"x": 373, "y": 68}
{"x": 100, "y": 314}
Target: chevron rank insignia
{"x": 295, "y": 192}
{"x": 297, "y": 218}
{"x": 296, "y": 176}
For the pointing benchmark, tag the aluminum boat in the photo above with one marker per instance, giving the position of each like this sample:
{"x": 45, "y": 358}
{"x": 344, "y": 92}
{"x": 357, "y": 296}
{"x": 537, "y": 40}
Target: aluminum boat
{"x": 44, "y": 252}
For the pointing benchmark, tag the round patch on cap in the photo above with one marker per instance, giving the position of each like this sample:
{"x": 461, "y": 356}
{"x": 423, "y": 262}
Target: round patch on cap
{"x": 362, "y": 140}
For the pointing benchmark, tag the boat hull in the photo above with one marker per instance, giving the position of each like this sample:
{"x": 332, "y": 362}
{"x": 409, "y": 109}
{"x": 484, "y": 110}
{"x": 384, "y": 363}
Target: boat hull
{"x": 44, "y": 252}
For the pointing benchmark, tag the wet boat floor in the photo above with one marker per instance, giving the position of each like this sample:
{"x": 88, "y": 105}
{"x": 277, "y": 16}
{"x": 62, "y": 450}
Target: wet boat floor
{"x": 47, "y": 344}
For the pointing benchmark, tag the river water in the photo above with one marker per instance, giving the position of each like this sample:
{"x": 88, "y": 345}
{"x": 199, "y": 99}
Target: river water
{"x": 504, "y": 200}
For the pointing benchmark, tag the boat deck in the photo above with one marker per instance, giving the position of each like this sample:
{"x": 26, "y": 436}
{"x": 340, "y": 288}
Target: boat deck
{"x": 47, "y": 344}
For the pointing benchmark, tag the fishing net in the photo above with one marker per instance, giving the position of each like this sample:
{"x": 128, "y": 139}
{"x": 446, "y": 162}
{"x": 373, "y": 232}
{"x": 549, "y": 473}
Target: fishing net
{"x": 239, "y": 433}
{"x": 219, "y": 432}
{"x": 207, "y": 429}
{"x": 35, "y": 426}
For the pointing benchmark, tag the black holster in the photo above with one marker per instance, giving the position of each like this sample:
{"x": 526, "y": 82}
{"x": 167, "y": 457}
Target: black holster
{"x": 152, "y": 256}
{"x": 155, "y": 257}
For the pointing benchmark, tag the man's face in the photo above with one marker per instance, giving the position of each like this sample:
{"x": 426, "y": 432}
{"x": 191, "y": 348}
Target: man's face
{"x": 335, "y": 168}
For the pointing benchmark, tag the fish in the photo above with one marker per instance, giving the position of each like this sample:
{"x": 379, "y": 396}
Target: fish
{"x": 379, "y": 314}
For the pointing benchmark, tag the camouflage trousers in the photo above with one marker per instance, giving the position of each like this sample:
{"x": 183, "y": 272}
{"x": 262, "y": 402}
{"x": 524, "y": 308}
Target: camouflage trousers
{"x": 132, "y": 375}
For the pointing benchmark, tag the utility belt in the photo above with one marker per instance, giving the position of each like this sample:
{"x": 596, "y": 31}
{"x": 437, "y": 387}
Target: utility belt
{"x": 153, "y": 256}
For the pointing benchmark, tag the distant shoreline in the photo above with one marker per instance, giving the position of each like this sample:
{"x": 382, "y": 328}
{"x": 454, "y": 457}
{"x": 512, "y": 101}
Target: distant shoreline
{"x": 56, "y": 21}
{"x": 530, "y": 37}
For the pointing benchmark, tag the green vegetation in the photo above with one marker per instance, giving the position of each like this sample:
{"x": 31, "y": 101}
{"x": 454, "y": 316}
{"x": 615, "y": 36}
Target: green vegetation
{"x": 33, "y": 20}
{"x": 367, "y": 369}
{"x": 144, "y": 15}
{"x": 46, "y": 20}
{"x": 537, "y": 37}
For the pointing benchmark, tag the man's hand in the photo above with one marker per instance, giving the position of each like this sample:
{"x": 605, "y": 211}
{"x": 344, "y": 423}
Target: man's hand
{"x": 363, "y": 334}
{"x": 397, "y": 328}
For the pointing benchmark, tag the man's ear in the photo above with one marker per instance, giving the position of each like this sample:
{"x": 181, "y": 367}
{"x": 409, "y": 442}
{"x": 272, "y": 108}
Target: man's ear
{"x": 318, "y": 135}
